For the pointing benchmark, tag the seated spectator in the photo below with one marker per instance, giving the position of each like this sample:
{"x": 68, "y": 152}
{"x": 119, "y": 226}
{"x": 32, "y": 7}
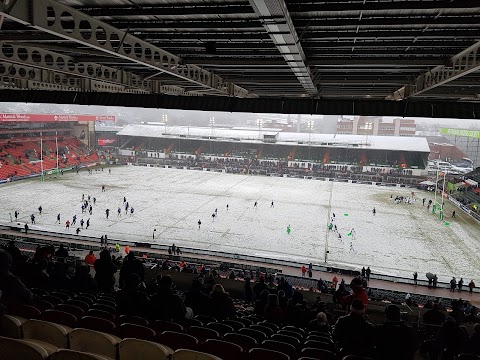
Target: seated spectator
{"x": 59, "y": 278}
{"x": 12, "y": 288}
{"x": 473, "y": 343}
{"x": 165, "y": 304}
{"x": 130, "y": 299}
{"x": 450, "y": 337}
{"x": 434, "y": 316}
{"x": 90, "y": 258}
{"x": 259, "y": 287}
{"x": 104, "y": 271}
{"x": 197, "y": 299}
{"x": 14, "y": 251}
{"x": 320, "y": 324}
{"x": 273, "y": 312}
{"x": 358, "y": 293}
{"x": 83, "y": 280}
{"x": 221, "y": 304}
{"x": 298, "y": 313}
{"x": 61, "y": 252}
{"x": 131, "y": 265}
{"x": 284, "y": 286}
{"x": 353, "y": 333}
{"x": 394, "y": 339}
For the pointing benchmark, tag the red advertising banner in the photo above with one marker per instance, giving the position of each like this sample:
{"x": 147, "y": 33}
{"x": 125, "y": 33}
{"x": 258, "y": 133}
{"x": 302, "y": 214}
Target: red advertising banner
{"x": 53, "y": 117}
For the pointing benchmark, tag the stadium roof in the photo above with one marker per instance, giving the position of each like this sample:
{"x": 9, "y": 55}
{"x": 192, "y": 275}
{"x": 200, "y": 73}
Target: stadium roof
{"x": 392, "y": 143}
{"x": 332, "y": 57}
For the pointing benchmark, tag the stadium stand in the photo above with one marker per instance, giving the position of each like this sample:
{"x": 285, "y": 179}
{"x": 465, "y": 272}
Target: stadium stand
{"x": 90, "y": 325}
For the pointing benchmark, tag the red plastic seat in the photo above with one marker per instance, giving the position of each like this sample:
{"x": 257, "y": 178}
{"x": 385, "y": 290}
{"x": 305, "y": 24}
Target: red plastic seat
{"x": 59, "y": 317}
{"x": 97, "y": 324}
{"x": 202, "y": 334}
{"x": 266, "y": 330}
{"x": 71, "y": 309}
{"x": 282, "y": 347}
{"x": 222, "y": 329}
{"x": 286, "y": 339}
{"x": 244, "y": 341}
{"x": 236, "y": 325}
{"x": 175, "y": 340}
{"x": 223, "y": 349}
{"x": 25, "y": 311}
{"x": 161, "y": 326}
{"x": 265, "y": 354}
{"x": 318, "y": 354}
{"x": 79, "y": 303}
{"x": 123, "y": 319}
{"x": 100, "y": 314}
{"x": 136, "y": 331}
{"x": 257, "y": 335}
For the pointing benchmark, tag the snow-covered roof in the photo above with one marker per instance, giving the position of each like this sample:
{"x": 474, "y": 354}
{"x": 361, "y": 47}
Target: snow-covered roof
{"x": 108, "y": 128}
{"x": 252, "y": 135}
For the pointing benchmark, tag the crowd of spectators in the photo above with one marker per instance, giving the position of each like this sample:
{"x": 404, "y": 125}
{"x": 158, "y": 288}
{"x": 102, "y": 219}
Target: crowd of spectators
{"x": 271, "y": 298}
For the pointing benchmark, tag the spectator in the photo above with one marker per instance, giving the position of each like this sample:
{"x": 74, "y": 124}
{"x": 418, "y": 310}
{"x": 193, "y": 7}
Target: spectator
{"x": 14, "y": 251}
{"x": 221, "y": 304}
{"x": 61, "y": 253}
{"x": 358, "y": 293}
{"x": 197, "y": 299}
{"x": 130, "y": 300}
{"x": 83, "y": 281}
{"x": 304, "y": 270}
{"x": 131, "y": 265}
{"x": 320, "y": 324}
{"x": 90, "y": 258}
{"x": 353, "y": 333}
{"x": 394, "y": 340}
{"x": 165, "y": 304}
{"x": 471, "y": 286}
{"x": 12, "y": 288}
{"x": 248, "y": 290}
{"x": 259, "y": 287}
{"x": 285, "y": 287}
{"x": 450, "y": 337}
{"x": 104, "y": 271}
{"x": 261, "y": 302}
{"x": 368, "y": 272}
{"x": 59, "y": 278}
{"x": 473, "y": 343}
{"x": 273, "y": 312}
{"x": 434, "y": 316}
{"x": 232, "y": 275}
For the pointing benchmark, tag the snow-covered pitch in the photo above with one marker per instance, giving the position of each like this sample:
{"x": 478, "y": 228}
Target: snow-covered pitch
{"x": 399, "y": 239}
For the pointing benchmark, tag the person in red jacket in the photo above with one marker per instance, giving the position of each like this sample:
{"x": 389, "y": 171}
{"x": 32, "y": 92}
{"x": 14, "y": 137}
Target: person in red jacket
{"x": 90, "y": 258}
{"x": 358, "y": 292}
{"x": 304, "y": 270}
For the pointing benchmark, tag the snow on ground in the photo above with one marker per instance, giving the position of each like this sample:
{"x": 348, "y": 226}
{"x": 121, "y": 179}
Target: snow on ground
{"x": 398, "y": 240}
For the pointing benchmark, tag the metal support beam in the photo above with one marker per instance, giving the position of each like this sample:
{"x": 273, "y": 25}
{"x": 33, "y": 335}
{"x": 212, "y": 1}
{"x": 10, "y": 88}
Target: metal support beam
{"x": 276, "y": 19}
{"x": 464, "y": 63}
{"x": 99, "y": 35}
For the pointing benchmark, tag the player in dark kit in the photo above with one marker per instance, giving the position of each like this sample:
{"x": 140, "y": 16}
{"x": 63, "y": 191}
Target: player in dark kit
{"x": 199, "y": 224}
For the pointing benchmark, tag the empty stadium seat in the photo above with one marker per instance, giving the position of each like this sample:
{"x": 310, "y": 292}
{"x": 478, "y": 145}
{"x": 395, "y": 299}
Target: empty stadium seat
{"x": 135, "y": 331}
{"x": 223, "y": 349}
{"x": 106, "y": 302}
{"x": 54, "y": 300}
{"x": 161, "y": 326}
{"x": 43, "y": 305}
{"x": 184, "y": 354}
{"x": 133, "y": 349}
{"x": 222, "y": 329}
{"x": 15, "y": 349}
{"x": 257, "y": 335}
{"x": 45, "y": 331}
{"x": 131, "y": 319}
{"x": 79, "y": 303}
{"x": 71, "y": 309}
{"x": 319, "y": 338}
{"x": 103, "y": 307}
{"x": 286, "y": 339}
{"x": 294, "y": 329}
{"x": 270, "y": 325}
{"x": 175, "y": 340}
{"x": 59, "y": 317}
{"x": 11, "y": 326}
{"x": 100, "y": 314}
{"x": 293, "y": 334}
{"x": 202, "y": 334}
{"x": 355, "y": 357}
{"x": 94, "y": 342}
{"x": 468, "y": 357}
{"x": 244, "y": 341}
{"x": 205, "y": 319}
{"x": 193, "y": 322}
{"x": 282, "y": 347}
{"x": 24, "y": 311}
{"x": 319, "y": 345}
{"x": 265, "y": 354}
{"x": 236, "y": 325}
{"x": 246, "y": 322}
{"x": 97, "y": 324}
{"x": 318, "y": 354}
{"x": 65, "y": 354}
{"x": 264, "y": 329}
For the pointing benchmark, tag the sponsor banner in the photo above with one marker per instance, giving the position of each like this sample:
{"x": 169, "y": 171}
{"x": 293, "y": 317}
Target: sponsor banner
{"x": 53, "y": 117}
{"x": 460, "y": 132}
